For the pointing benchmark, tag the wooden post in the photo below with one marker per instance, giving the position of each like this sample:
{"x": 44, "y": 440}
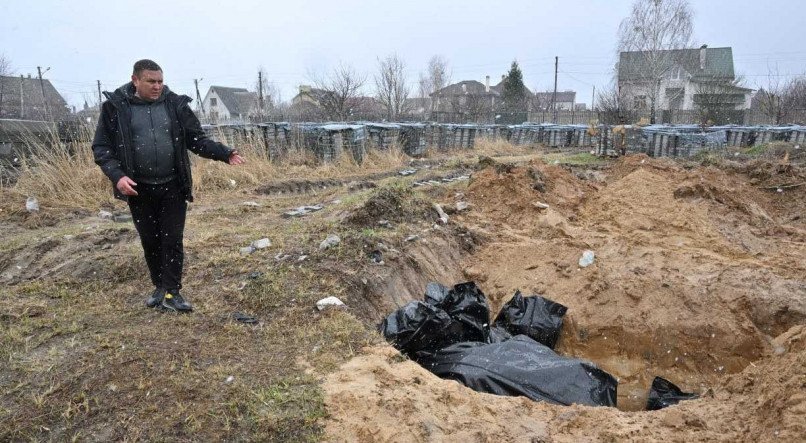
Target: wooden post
{"x": 554, "y": 95}
{"x": 44, "y": 98}
{"x": 198, "y": 96}
{"x": 22, "y": 98}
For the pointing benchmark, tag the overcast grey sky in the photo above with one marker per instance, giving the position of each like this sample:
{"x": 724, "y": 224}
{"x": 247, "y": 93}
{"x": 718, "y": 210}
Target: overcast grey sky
{"x": 224, "y": 42}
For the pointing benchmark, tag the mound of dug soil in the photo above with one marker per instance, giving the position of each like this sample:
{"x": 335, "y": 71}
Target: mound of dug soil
{"x": 394, "y": 204}
{"x": 381, "y": 397}
{"x": 695, "y": 270}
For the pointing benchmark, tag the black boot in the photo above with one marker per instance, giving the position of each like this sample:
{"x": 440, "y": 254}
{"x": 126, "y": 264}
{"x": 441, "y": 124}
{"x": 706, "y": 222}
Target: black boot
{"x": 173, "y": 301}
{"x": 155, "y": 299}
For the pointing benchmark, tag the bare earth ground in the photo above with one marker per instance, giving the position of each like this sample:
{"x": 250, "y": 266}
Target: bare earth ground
{"x": 698, "y": 277}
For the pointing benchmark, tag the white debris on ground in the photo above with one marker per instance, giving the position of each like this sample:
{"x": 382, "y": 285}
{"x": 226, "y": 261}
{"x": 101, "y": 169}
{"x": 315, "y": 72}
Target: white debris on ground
{"x": 329, "y": 302}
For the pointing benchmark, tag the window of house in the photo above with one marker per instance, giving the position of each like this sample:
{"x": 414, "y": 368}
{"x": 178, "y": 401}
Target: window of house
{"x": 676, "y": 73}
{"x": 639, "y": 102}
{"x": 213, "y": 101}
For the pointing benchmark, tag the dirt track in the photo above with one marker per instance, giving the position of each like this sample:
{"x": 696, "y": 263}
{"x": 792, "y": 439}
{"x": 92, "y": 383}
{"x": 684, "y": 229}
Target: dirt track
{"x": 697, "y": 271}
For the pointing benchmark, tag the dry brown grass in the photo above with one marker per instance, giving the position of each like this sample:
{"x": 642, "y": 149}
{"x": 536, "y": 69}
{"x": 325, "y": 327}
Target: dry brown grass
{"x": 66, "y": 176}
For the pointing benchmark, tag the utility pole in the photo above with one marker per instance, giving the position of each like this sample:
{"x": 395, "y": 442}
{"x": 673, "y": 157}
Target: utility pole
{"x": 22, "y": 98}
{"x": 260, "y": 92}
{"x": 198, "y": 96}
{"x": 44, "y": 98}
{"x": 100, "y": 97}
{"x": 554, "y": 96}
{"x": 593, "y": 98}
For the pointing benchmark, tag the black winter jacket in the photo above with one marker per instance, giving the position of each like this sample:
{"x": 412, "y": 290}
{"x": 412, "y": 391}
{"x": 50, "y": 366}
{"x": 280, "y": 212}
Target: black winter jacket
{"x": 112, "y": 145}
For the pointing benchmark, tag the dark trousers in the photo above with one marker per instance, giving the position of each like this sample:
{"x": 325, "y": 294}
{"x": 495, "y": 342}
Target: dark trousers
{"x": 159, "y": 215}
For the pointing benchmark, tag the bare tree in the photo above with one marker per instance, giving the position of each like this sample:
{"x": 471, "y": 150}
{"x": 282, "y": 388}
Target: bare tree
{"x": 435, "y": 78}
{"x": 777, "y": 99}
{"x": 5, "y": 65}
{"x": 654, "y": 29}
{"x": 5, "y": 69}
{"x": 339, "y": 92}
{"x": 715, "y": 101}
{"x": 438, "y": 75}
{"x": 391, "y": 88}
{"x": 612, "y": 105}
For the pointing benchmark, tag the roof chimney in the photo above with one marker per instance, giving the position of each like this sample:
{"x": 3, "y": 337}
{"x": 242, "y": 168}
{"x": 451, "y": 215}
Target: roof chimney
{"x": 703, "y": 50}
{"x": 487, "y": 84}
{"x": 503, "y": 77}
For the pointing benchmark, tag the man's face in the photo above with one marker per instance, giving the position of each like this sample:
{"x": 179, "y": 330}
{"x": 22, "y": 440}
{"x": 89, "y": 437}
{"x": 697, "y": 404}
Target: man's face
{"x": 148, "y": 84}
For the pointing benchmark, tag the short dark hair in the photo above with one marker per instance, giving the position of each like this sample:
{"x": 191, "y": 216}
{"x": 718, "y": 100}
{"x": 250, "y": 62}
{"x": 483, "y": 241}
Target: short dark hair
{"x": 145, "y": 65}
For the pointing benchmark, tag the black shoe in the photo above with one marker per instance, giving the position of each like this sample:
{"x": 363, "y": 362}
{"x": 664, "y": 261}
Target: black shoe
{"x": 173, "y": 301}
{"x": 155, "y": 299}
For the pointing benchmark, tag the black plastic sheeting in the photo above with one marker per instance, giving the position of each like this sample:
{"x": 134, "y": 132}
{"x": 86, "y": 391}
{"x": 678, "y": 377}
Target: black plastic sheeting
{"x": 522, "y": 366}
{"x": 537, "y": 317}
{"x": 664, "y": 393}
{"x": 450, "y": 335}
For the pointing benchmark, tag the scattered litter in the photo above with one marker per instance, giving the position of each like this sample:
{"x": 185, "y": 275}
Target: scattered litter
{"x": 406, "y": 172}
{"x": 412, "y": 238}
{"x": 540, "y": 205}
{"x": 441, "y": 181}
{"x": 254, "y": 275}
{"x": 32, "y": 204}
{"x": 449, "y": 334}
{"x": 122, "y": 218}
{"x": 247, "y": 250}
{"x": 384, "y": 223}
{"x": 243, "y": 318}
{"x": 232, "y": 183}
{"x": 376, "y": 257}
{"x": 329, "y": 242}
{"x": 281, "y": 257}
{"x": 263, "y": 243}
{"x": 586, "y": 259}
{"x": 302, "y": 258}
{"x": 302, "y": 210}
{"x": 328, "y": 302}
{"x": 229, "y": 379}
{"x": 461, "y": 206}
{"x": 443, "y": 217}
{"x": 105, "y": 215}
{"x": 664, "y": 393}
{"x": 252, "y": 204}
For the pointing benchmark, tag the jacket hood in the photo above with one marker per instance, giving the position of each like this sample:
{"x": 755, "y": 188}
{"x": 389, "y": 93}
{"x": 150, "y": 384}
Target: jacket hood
{"x": 127, "y": 92}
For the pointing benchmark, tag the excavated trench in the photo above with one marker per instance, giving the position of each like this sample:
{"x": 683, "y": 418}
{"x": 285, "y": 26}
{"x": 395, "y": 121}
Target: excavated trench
{"x": 696, "y": 269}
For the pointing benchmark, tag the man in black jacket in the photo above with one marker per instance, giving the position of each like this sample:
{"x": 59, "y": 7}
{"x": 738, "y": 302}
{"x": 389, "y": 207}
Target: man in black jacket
{"x": 141, "y": 144}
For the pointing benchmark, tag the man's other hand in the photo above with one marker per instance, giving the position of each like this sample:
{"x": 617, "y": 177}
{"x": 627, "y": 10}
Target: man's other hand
{"x": 126, "y": 186}
{"x": 236, "y": 159}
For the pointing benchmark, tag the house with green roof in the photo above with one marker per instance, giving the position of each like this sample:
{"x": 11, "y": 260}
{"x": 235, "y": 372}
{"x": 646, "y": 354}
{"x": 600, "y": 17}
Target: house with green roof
{"x": 684, "y": 79}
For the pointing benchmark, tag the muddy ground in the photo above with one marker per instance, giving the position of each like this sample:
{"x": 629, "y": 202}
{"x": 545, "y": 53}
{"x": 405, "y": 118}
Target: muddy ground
{"x": 698, "y": 278}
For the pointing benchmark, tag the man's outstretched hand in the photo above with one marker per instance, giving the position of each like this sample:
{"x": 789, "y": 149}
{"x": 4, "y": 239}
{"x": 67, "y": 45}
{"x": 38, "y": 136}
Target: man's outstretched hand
{"x": 236, "y": 159}
{"x": 126, "y": 186}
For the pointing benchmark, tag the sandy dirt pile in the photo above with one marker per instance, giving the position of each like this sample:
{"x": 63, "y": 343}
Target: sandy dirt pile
{"x": 697, "y": 270}
{"x": 380, "y": 397}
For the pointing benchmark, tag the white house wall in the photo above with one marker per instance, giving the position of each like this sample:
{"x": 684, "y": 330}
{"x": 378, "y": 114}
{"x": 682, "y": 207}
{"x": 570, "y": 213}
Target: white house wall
{"x": 220, "y": 108}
